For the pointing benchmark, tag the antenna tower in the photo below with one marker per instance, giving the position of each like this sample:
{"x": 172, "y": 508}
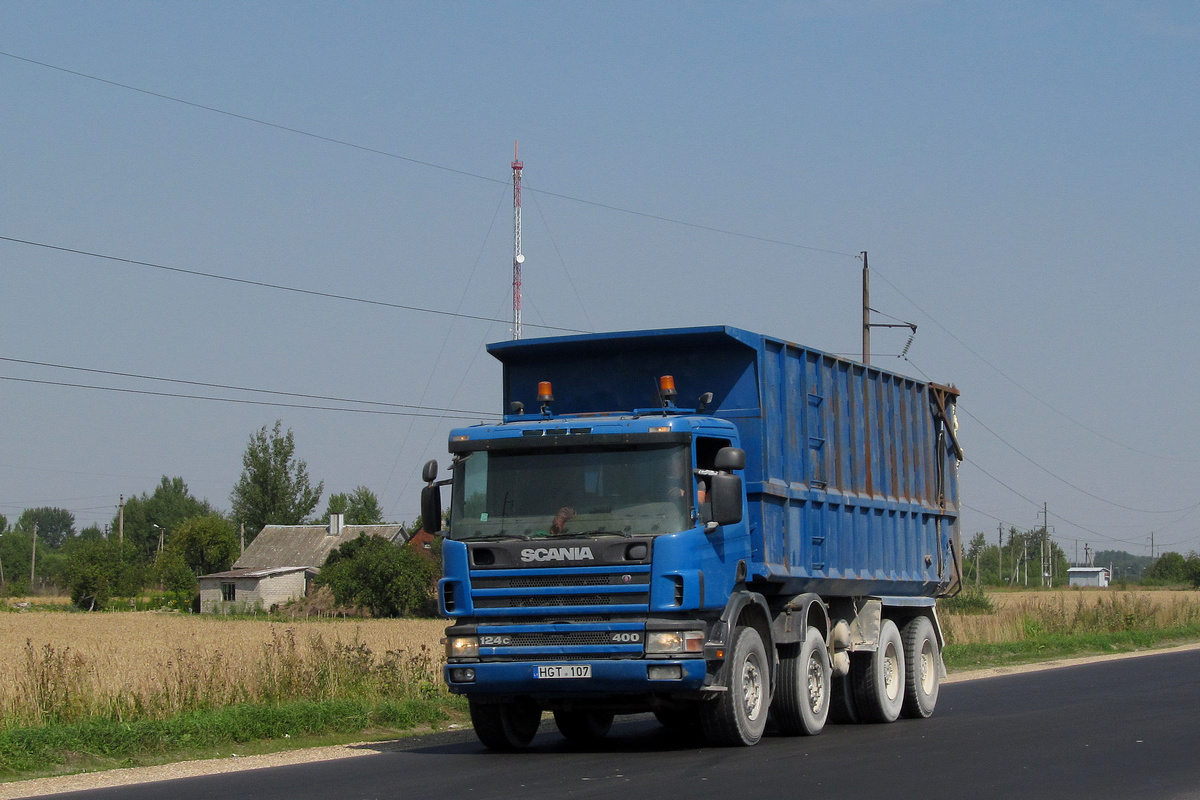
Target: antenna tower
{"x": 518, "y": 256}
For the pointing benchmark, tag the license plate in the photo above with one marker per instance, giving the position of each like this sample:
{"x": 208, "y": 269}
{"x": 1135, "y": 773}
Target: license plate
{"x": 565, "y": 671}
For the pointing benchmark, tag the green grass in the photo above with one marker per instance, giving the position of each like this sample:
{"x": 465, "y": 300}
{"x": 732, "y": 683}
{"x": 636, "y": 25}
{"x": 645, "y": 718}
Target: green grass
{"x": 1047, "y": 647}
{"x": 100, "y": 743}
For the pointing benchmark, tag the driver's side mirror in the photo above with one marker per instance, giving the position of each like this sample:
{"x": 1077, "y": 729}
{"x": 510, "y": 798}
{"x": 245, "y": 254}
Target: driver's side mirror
{"x": 431, "y": 499}
{"x": 727, "y": 487}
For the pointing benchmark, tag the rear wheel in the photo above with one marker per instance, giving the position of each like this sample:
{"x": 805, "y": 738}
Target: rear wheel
{"x": 738, "y": 716}
{"x": 583, "y": 726}
{"x": 801, "y": 703}
{"x": 878, "y": 678}
{"x": 505, "y": 726}
{"x": 921, "y": 659}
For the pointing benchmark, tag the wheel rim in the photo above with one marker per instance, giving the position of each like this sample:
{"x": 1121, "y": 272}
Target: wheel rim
{"x": 752, "y": 688}
{"x": 928, "y": 673}
{"x": 891, "y": 673}
{"x": 816, "y": 685}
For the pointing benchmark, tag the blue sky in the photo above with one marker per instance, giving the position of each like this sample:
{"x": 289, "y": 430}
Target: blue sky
{"x": 1024, "y": 176}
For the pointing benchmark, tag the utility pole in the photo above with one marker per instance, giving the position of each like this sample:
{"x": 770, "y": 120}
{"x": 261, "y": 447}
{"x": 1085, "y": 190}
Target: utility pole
{"x": 1152, "y": 545}
{"x": 33, "y": 557}
{"x": 1046, "y": 545}
{"x": 866, "y": 310}
{"x": 1000, "y": 552}
{"x": 121, "y": 521}
{"x": 1025, "y": 558}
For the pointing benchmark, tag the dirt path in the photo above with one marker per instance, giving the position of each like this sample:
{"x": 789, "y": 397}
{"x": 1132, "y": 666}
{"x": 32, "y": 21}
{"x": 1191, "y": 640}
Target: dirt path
{"x": 187, "y": 769}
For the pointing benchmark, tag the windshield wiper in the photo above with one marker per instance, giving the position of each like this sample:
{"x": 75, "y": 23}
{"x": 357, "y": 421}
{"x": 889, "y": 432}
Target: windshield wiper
{"x": 573, "y": 534}
{"x": 496, "y": 537}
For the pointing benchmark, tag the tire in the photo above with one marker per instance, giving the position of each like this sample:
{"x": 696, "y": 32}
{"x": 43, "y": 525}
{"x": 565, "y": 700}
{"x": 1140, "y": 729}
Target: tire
{"x": 921, "y": 660}
{"x": 802, "y": 698}
{"x": 737, "y": 717}
{"x": 583, "y": 726}
{"x": 878, "y": 678}
{"x": 505, "y": 726}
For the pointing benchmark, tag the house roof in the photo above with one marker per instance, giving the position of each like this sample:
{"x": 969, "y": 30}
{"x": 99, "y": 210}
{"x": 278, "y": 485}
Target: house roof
{"x": 304, "y": 545}
{"x": 258, "y": 573}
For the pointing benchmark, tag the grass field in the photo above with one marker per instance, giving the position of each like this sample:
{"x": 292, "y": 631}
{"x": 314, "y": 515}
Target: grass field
{"x": 1024, "y": 615}
{"x": 57, "y": 667}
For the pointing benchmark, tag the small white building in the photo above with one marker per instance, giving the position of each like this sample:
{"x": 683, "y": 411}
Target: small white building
{"x": 1088, "y": 576}
{"x": 280, "y": 565}
{"x": 241, "y": 590}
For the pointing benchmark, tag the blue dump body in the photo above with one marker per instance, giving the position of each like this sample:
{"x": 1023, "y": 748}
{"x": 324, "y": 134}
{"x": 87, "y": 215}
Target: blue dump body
{"x": 593, "y": 562}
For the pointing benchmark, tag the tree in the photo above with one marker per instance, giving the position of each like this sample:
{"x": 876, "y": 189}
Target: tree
{"x": 206, "y": 544}
{"x": 15, "y": 551}
{"x": 99, "y": 569}
{"x": 274, "y": 488}
{"x": 388, "y": 579}
{"x": 149, "y": 517}
{"x": 54, "y": 525}
{"x": 361, "y": 507}
{"x": 176, "y": 577}
{"x": 1170, "y": 567}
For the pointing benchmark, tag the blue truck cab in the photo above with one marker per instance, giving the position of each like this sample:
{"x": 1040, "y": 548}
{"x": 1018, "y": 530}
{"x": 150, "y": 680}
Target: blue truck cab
{"x": 709, "y": 524}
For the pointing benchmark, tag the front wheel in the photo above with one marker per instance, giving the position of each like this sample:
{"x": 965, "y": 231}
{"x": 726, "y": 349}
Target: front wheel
{"x": 737, "y": 717}
{"x": 505, "y": 726}
{"x": 802, "y": 698}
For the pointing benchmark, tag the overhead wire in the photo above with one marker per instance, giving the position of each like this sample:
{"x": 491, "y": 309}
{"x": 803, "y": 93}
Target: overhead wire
{"x": 182, "y": 382}
{"x": 447, "y": 414}
{"x": 266, "y": 285}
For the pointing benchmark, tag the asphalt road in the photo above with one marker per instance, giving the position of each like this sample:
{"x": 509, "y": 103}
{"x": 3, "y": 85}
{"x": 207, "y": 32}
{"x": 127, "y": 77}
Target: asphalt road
{"x": 1117, "y": 729}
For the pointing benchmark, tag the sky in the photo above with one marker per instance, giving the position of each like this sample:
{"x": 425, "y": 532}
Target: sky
{"x": 315, "y": 199}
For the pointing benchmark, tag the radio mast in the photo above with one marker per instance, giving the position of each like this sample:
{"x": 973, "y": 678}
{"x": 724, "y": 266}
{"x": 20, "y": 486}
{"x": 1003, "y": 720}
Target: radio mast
{"x": 518, "y": 256}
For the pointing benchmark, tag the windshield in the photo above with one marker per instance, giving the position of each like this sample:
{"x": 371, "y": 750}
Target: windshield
{"x": 572, "y": 491}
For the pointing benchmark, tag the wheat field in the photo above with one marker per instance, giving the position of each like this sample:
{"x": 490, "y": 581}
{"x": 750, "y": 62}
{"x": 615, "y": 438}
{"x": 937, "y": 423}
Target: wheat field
{"x": 136, "y": 664}
{"x": 1023, "y": 615}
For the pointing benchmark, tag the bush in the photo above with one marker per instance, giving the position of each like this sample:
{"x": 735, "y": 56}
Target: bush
{"x": 969, "y": 601}
{"x": 388, "y": 579}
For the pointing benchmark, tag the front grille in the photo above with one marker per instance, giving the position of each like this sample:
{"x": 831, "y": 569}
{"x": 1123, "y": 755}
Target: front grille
{"x": 625, "y": 590}
{"x": 562, "y": 600}
{"x": 545, "y": 581}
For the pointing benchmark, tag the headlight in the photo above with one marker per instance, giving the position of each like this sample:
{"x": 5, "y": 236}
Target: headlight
{"x": 462, "y": 647}
{"x": 674, "y": 641}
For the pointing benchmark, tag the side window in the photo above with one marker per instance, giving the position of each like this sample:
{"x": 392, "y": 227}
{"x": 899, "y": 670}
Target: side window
{"x": 706, "y": 459}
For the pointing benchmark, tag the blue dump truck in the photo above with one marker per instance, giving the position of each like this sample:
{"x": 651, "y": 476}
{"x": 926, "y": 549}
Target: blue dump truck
{"x": 722, "y": 528}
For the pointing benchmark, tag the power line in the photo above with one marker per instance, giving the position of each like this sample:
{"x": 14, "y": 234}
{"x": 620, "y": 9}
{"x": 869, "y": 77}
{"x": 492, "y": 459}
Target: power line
{"x": 1067, "y": 482}
{"x": 1029, "y": 392}
{"x": 466, "y": 413}
{"x": 277, "y": 286}
{"x": 447, "y": 414}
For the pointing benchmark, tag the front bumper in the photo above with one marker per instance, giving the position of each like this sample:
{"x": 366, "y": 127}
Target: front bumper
{"x": 621, "y": 677}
